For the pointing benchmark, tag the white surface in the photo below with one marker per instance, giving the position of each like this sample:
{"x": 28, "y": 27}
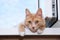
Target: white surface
{"x": 59, "y": 9}
{"x": 46, "y": 6}
{"x": 57, "y": 24}
{"x": 14, "y": 31}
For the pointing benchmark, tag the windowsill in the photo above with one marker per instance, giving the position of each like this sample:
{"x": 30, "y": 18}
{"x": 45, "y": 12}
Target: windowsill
{"x": 47, "y": 31}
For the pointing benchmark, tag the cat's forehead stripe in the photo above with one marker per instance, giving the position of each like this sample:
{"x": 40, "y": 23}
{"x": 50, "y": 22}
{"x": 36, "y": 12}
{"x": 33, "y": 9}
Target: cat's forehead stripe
{"x": 33, "y": 17}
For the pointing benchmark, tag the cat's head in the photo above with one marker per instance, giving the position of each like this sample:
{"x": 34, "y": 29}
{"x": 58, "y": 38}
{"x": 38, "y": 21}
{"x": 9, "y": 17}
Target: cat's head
{"x": 34, "y": 21}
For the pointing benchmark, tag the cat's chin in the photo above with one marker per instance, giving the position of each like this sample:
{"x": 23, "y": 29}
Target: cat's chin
{"x": 33, "y": 31}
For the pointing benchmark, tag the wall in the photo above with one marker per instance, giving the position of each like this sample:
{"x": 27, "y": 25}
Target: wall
{"x": 59, "y": 9}
{"x": 46, "y": 7}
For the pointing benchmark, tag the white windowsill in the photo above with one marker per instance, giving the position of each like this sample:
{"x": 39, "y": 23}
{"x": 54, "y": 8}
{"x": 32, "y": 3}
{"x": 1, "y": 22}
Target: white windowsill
{"x": 14, "y": 31}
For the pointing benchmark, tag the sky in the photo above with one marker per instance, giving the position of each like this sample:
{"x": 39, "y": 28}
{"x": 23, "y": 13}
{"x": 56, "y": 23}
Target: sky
{"x": 12, "y": 12}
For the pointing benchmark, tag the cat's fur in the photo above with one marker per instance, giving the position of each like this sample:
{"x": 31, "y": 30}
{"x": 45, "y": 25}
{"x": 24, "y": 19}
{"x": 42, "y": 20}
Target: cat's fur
{"x": 33, "y": 22}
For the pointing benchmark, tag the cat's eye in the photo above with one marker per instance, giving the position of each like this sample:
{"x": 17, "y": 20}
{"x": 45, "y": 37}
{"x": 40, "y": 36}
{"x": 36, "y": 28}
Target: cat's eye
{"x": 36, "y": 22}
{"x": 29, "y": 21}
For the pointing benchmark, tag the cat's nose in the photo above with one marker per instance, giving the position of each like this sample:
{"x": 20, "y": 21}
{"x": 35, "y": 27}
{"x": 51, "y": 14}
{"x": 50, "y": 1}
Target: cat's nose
{"x": 33, "y": 27}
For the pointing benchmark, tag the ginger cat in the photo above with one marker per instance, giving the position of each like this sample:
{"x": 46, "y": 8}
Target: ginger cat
{"x": 33, "y": 22}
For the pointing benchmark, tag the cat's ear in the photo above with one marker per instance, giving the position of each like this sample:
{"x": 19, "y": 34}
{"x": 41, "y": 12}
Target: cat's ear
{"x": 39, "y": 12}
{"x": 27, "y": 12}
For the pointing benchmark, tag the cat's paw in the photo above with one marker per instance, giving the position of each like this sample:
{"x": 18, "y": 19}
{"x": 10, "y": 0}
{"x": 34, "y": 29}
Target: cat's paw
{"x": 22, "y": 33}
{"x": 39, "y": 31}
